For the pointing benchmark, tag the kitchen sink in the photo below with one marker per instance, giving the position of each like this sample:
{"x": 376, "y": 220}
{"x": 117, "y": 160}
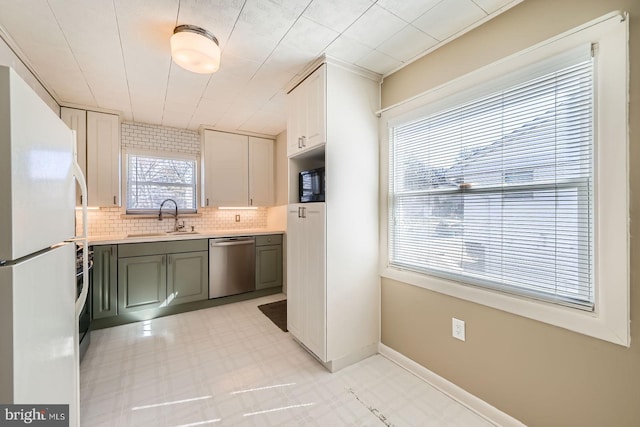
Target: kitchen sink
{"x": 178, "y": 233}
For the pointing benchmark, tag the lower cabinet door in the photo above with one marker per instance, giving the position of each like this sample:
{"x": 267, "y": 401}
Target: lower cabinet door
{"x": 142, "y": 283}
{"x": 268, "y": 266}
{"x": 104, "y": 281}
{"x": 187, "y": 277}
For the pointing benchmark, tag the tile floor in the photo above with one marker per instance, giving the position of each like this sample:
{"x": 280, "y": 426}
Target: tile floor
{"x": 231, "y": 366}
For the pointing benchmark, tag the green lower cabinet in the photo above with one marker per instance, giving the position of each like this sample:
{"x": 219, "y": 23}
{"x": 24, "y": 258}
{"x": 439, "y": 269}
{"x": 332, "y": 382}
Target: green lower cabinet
{"x": 187, "y": 277}
{"x": 142, "y": 283}
{"x": 268, "y": 266}
{"x": 104, "y": 281}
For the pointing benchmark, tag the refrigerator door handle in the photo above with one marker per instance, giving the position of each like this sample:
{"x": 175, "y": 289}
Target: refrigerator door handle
{"x": 83, "y": 238}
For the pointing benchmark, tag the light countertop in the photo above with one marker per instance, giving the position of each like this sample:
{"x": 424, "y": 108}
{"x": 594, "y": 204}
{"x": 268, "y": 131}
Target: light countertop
{"x": 116, "y": 239}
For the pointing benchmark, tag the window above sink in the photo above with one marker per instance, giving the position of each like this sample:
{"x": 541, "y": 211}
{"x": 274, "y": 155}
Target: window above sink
{"x": 152, "y": 177}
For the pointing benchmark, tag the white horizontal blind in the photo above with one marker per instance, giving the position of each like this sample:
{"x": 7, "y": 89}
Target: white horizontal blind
{"x": 498, "y": 192}
{"x": 152, "y": 179}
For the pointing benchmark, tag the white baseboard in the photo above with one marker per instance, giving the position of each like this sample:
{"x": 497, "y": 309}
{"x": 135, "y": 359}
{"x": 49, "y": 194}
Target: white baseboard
{"x": 475, "y": 404}
{"x": 356, "y": 356}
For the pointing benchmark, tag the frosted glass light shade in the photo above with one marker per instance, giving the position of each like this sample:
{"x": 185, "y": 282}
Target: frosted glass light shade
{"x": 195, "y": 49}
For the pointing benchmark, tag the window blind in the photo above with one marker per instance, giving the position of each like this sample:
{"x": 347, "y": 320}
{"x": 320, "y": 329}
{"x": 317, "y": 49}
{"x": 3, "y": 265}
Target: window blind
{"x": 498, "y": 191}
{"x": 152, "y": 179}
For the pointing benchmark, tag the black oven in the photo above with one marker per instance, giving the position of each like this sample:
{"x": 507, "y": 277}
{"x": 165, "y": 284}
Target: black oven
{"x": 84, "y": 326}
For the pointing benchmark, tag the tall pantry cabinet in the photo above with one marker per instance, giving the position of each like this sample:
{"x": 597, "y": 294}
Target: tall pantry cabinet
{"x": 332, "y": 247}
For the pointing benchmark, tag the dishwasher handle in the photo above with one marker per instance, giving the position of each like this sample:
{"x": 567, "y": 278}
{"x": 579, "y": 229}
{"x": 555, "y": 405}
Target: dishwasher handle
{"x": 231, "y": 242}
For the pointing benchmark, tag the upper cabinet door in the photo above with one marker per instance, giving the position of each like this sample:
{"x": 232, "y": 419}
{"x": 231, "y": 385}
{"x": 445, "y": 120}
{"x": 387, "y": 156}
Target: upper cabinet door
{"x": 226, "y": 169}
{"x": 103, "y": 159}
{"x": 77, "y": 120}
{"x": 307, "y": 105}
{"x": 295, "y": 120}
{"x": 261, "y": 176}
{"x": 315, "y": 133}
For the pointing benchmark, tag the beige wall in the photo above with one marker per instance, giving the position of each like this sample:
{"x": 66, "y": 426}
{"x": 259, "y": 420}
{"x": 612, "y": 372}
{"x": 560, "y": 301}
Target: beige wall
{"x": 539, "y": 374}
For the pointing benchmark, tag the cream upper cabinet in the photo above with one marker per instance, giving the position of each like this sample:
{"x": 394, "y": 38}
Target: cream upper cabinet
{"x": 306, "y": 121}
{"x": 77, "y": 120}
{"x": 237, "y": 170}
{"x": 261, "y": 172}
{"x": 103, "y": 159}
{"x": 98, "y": 141}
{"x": 226, "y": 169}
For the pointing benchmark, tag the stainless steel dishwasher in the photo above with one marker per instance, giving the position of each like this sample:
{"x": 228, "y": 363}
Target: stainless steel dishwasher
{"x": 232, "y": 266}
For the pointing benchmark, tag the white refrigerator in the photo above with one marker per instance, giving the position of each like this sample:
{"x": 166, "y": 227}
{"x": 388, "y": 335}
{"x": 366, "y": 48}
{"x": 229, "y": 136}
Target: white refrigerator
{"x": 39, "y": 362}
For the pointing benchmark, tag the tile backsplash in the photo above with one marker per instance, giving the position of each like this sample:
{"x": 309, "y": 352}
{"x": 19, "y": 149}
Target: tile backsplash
{"x": 159, "y": 138}
{"x": 111, "y": 221}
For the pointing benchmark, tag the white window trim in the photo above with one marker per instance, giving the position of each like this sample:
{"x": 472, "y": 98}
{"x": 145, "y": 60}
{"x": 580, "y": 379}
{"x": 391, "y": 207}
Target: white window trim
{"x": 610, "y": 320}
{"x": 155, "y": 153}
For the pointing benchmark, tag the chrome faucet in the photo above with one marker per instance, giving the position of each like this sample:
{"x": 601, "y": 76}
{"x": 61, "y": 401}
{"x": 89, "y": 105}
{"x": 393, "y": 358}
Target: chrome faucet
{"x": 175, "y": 215}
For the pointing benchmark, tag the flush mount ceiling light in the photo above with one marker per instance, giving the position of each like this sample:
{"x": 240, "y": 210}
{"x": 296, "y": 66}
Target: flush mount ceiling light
{"x": 195, "y": 49}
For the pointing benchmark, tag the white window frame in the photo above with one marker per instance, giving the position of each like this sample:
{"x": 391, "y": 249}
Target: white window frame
{"x": 155, "y": 153}
{"x": 610, "y": 319}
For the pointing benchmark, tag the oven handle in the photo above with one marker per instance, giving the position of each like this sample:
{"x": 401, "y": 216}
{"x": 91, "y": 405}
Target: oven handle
{"x": 89, "y": 268}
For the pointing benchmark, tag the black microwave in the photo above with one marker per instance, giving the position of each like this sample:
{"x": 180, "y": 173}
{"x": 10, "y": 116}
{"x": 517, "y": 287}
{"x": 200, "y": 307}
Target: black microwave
{"x": 311, "y": 185}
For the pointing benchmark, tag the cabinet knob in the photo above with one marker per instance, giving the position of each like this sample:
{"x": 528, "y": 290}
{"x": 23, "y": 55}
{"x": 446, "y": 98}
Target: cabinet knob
{"x": 114, "y": 200}
{"x": 207, "y": 201}
{"x": 304, "y": 138}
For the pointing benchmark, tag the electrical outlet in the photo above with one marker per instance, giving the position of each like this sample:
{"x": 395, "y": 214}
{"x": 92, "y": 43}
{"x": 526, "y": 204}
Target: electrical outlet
{"x": 237, "y": 218}
{"x": 457, "y": 329}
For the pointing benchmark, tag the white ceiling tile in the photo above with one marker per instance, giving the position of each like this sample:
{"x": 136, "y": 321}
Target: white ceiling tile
{"x": 408, "y": 9}
{"x": 93, "y": 37}
{"x": 33, "y": 27}
{"x": 375, "y": 26}
{"x": 177, "y": 119}
{"x": 490, "y": 6}
{"x": 147, "y": 112}
{"x": 185, "y": 87}
{"x": 309, "y": 37}
{"x": 336, "y": 14}
{"x": 440, "y": 23}
{"x": 231, "y": 122}
{"x": 235, "y": 68}
{"x": 271, "y": 123}
{"x": 378, "y": 62}
{"x": 347, "y": 49}
{"x": 286, "y": 60}
{"x": 278, "y": 102}
{"x": 407, "y": 43}
{"x": 144, "y": 34}
{"x": 221, "y": 90}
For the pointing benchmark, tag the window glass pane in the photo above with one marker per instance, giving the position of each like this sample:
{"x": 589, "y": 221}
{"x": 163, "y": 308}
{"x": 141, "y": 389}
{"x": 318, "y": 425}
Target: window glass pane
{"x": 151, "y": 180}
{"x": 498, "y": 192}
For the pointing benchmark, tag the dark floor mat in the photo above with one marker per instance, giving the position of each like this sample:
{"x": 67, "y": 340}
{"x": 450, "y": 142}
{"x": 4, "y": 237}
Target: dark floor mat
{"x": 276, "y": 312}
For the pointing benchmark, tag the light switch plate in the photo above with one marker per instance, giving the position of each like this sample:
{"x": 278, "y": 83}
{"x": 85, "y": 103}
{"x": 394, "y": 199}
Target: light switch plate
{"x": 457, "y": 328}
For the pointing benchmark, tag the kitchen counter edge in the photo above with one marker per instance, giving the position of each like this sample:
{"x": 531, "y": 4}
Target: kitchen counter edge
{"x": 123, "y": 239}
